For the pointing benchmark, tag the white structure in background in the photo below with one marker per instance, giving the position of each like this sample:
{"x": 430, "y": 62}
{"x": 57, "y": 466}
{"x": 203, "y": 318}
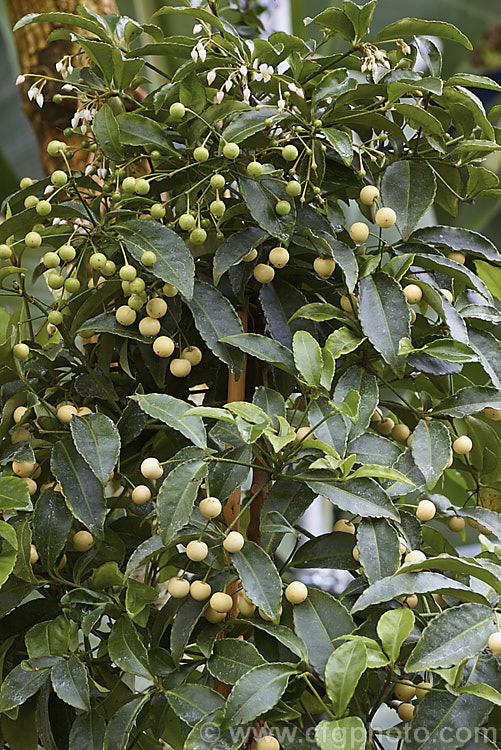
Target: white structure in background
{"x": 277, "y": 17}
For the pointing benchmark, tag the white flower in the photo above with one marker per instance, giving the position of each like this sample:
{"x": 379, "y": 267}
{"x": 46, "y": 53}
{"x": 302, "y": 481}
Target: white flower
{"x": 49, "y": 189}
{"x": 197, "y": 28}
{"x": 102, "y": 172}
{"x": 264, "y": 74}
{"x": 211, "y": 77}
{"x": 300, "y": 93}
{"x": 243, "y": 70}
{"x": 59, "y": 66}
{"x": 89, "y": 169}
{"x": 75, "y": 120}
{"x": 19, "y": 80}
{"x": 55, "y": 222}
{"x": 281, "y": 103}
{"x": 32, "y": 92}
{"x": 68, "y": 87}
{"x": 202, "y": 53}
{"x": 219, "y": 97}
{"x": 247, "y": 93}
{"x": 228, "y": 85}
{"x": 69, "y": 68}
{"x": 194, "y": 54}
{"x": 292, "y": 87}
{"x": 39, "y": 99}
{"x": 84, "y": 128}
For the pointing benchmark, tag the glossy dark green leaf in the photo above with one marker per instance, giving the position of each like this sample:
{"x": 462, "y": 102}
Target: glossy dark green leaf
{"x": 384, "y": 316}
{"x": 454, "y": 635}
{"x": 176, "y": 497}
{"x": 363, "y": 497}
{"x": 235, "y": 248}
{"x": 71, "y": 19}
{"x": 335, "y": 20}
{"x": 378, "y": 546}
{"x": 97, "y": 440}
{"x": 260, "y": 579}
{"x": 487, "y": 348}
{"x": 216, "y": 318}
{"x": 342, "y": 254}
{"x": 120, "y": 727}
{"x": 70, "y": 682}
{"x": 405, "y": 584}
{"x": 127, "y": 650}
{"x": 87, "y": 732}
{"x": 343, "y": 671}
{"x": 256, "y": 692}
{"x": 374, "y": 449}
{"x": 171, "y": 411}
{"x": 288, "y": 498}
{"x": 51, "y": 526}
{"x": 359, "y": 380}
{"x": 419, "y": 27}
{"x": 14, "y": 494}
{"x": 263, "y": 348}
{"x": 341, "y": 143}
{"x": 333, "y": 550}
{"x": 81, "y": 488}
{"x": 431, "y": 449}
{"x": 225, "y": 478}
{"x": 460, "y": 239}
{"x": 20, "y": 684}
{"x": 261, "y": 197}
{"x": 232, "y": 658}
{"x": 136, "y": 130}
{"x": 107, "y": 133}
{"x": 174, "y": 262}
{"x": 107, "y": 323}
{"x": 469, "y": 400}
{"x": 50, "y": 638}
{"x": 245, "y": 124}
{"x": 318, "y": 621}
{"x": 283, "y": 635}
{"x": 409, "y": 188}
{"x": 192, "y": 702}
{"x": 329, "y": 426}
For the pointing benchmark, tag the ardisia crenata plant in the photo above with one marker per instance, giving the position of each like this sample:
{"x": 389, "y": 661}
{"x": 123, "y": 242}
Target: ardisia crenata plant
{"x": 204, "y": 346}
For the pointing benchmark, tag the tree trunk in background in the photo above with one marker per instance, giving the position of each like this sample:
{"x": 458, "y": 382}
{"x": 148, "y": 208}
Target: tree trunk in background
{"x": 35, "y": 56}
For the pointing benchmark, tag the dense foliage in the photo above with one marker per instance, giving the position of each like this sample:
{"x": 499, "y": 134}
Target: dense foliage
{"x": 142, "y": 600}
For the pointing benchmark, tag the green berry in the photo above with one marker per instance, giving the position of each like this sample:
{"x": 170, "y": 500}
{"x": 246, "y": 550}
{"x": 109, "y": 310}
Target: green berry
{"x": 126, "y": 287}
{"x": 55, "y": 317}
{"x": 198, "y": 236}
{"x": 142, "y": 187}
{"x": 217, "y": 209}
{"x": 21, "y": 351}
{"x": 148, "y": 258}
{"x": 254, "y": 169}
{"x": 129, "y": 185}
{"x": 169, "y": 290}
{"x": 187, "y": 222}
{"x": 51, "y": 260}
{"x": 201, "y": 154}
{"x": 177, "y": 111}
{"x": 135, "y": 301}
{"x": 30, "y": 201}
{"x": 217, "y": 181}
{"x": 26, "y": 182}
{"x": 43, "y": 208}
{"x": 59, "y": 178}
{"x": 67, "y": 253}
{"x": 231, "y": 150}
{"x": 155, "y": 155}
{"x": 289, "y": 153}
{"x": 32, "y": 239}
{"x": 55, "y": 280}
{"x": 68, "y": 132}
{"x": 97, "y": 261}
{"x": 136, "y": 286}
{"x": 57, "y": 99}
{"x": 157, "y": 211}
{"x": 5, "y": 252}
{"x": 116, "y": 197}
{"x": 283, "y": 208}
{"x": 293, "y": 188}
{"x": 54, "y": 148}
{"x": 128, "y": 273}
{"x": 317, "y": 123}
{"x": 109, "y": 268}
{"x": 72, "y": 284}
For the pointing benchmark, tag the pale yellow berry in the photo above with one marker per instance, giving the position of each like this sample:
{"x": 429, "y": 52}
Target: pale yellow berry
{"x": 413, "y": 294}
{"x": 163, "y": 346}
{"x": 264, "y": 273}
{"x": 495, "y": 644}
{"x": 344, "y": 526}
{"x": 415, "y": 555}
{"x": 156, "y": 307}
{"x": 19, "y": 413}
{"x": 359, "y": 231}
{"x": 412, "y": 601}
{"x": 264, "y": 616}
{"x": 33, "y": 554}
{"x": 369, "y": 195}
{"x": 304, "y": 433}
{"x": 268, "y": 743}
{"x": 385, "y": 426}
{"x": 23, "y": 468}
{"x": 221, "y": 602}
{"x": 214, "y": 617}
{"x": 324, "y": 267}
{"x": 192, "y": 354}
{"x": 279, "y": 257}
{"x": 210, "y": 507}
{"x": 250, "y": 256}
{"x": 178, "y": 588}
{"x": 245, "y": 606}
{"x": 32, "y": 485}
{"x": 426, "y": 510}
{"x": 233, "y": 542}
{"x": 200, "y": 590}
{"x": 196, "y": 551}
{"x": 400, "y": 432}
{"x": 141, "y": 494}
{"x": 385, "y": 218}
{"x": 149, "y": 326}
{"x": 494, "y": 414}
{"x": 462, "y": 445}
{"x": 66, "y": 412}
{"x": 456, "y": 523}
{"x": 20, "y": 435}
{"x": 423, "y": 689}
{"x": 125, "y": 315}
{"x": 296, "y": 592}
{"x": 151, "y": 468}
{"x": 406, "y": 711}
{"x": 83, "y": 411}
{"x": 83, "y": 541}
{"x": 448, "y": 295}
{"x": 356, "y": 553}
{"x": 404, "y": 691}
{"x": 458, "y": 257}
{"x": 413, "y": 315}
{"x": 180, "y": 368}
{"x": 402, "y": 546}
{"x": 348, "y": 303}
{"x": 376, "y": 416}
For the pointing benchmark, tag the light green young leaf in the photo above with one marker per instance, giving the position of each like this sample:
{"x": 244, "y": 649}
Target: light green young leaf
{"x": 343, "y": 671}
{"x": 393, "y": 628}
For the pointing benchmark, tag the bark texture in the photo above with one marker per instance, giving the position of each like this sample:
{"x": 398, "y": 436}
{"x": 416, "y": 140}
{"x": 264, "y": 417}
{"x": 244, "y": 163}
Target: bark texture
{"x": 36, "y": 56}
